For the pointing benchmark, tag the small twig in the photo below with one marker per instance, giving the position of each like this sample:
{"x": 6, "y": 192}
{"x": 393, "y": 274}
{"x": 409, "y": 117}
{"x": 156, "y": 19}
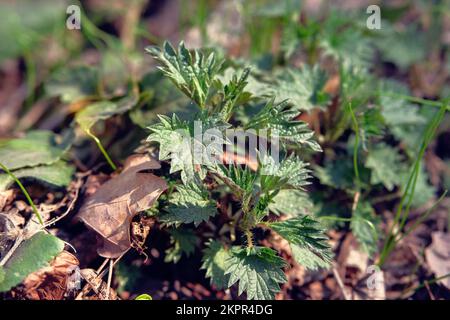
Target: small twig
{"x": 432, "y": 297}
{"x": 340, "y": 284}
{"x": 69, "y": 208}
{"x": 108, "y": 284}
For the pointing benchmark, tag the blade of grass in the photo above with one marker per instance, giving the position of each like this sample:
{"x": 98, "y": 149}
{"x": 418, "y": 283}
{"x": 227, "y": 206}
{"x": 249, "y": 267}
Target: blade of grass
{"x": 408, "y": 195}
{"x": 412, "y": 99}
{"x": 356, "y": 145}
{"x": 102, "y": 149}
{"x": 25, "y": 192}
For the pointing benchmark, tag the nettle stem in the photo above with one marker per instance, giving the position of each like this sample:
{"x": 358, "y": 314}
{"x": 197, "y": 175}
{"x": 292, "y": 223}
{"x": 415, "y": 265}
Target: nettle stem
{"x": 249, "y": 237}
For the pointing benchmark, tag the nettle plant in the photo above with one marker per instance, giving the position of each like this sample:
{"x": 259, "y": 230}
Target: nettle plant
{"x": 255, "y": 186}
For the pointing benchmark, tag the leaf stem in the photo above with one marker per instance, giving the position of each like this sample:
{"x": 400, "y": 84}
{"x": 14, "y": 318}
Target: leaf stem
{"x": 102, "y": 149}
{"x": 25, "y": 192}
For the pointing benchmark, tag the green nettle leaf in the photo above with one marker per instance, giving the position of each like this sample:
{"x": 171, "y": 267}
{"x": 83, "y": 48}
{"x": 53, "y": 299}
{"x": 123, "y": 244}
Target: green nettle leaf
{"x": 32, "y": 255}
{"x": 404, "y": 120}
{"x": 73, "y": 84}
{"x": 364, "y": 227}
{"x": 290, "y": 172}
{"x": 291, "y": 202}
{"x": 192, "y": 74}
{"x": 103, "y": 110}
{"x": 307, "y": 239}
{"x": 58, "y": 174}
{"x": 232, "y": 93}
{"x": 338, "y": 174}
{"x": 386, "y": 164}
{"x": 183, "y": 241}
{"x": 174, "y": 140}
{"x": 241, "y": 179}
{"x": 36, "y": 148}
{"x": 215, "y": 258}
{"x": 345, "y": 41}
{"x": 181, "y": 145}
{"x": 258, "y": 270}
{"x": 402, "y": 48}
{"x": 190, "y": 204}
{"x": 280, "y": 120}
{"x": 303, "y": 88}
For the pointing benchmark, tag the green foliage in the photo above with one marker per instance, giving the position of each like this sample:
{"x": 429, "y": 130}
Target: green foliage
{"x": 73, "y": 84}
{"x": 192, "y": 74}
{"x": 280, "y": 120}
{"x": 337, "y": 174}
{"x": 30, "y": 256}
{"x": 190, "y": 204}
{"x": 58, "y": 174}
{"x": 364, "y": 226}
{"x": 103, "y": 110}
{"x": 292, "y": 172}
{"x": 386, "y": 165}
{"x": 258, "y": 271}
{"x": 291, "y": 202}
{"x": 183, "y": 241}
{"x": 402, "y": 47}
{"x": 35, "y": 148}
{"x": 37, "y": 156}
{"x": 303, "y": 88}
{"x": 177, "y": 142}
{"x": 24, "y": 25}
{"x": 215, "y": 262}
{"x": 307, "y": 239}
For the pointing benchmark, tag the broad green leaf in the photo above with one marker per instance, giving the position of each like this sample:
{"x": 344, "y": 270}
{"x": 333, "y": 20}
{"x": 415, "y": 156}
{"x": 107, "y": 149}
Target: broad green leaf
{"x": 404, "y": 120}
{"x": 307, "y": 234}
{"x": 258, "y": 270}
{"x": 182, "y": 241}
{"x": 337, "y": 174}
{"x": 192, "y": 74}
{"x": 364, "y": 227}
{"x": 103, "y": 110}
{"x": 215, "y": 258}
{"x": 289, "y": 173}
{"x": 186, "y": 148}
{"x": 189, "y": 204}
{"x": 386, "y": 164}
{"x": 345, "y": 41}
{"x": 73, "y": 83}
{"x": 58, "y": 174}
{"x": 291, "y": 202}
{"x": 303, "y": 88}
{"x": 280, "y": 120}
{"x": 36, "y": 148}
{"x": 402, "y": 48}
{"x": 32, "y": 255}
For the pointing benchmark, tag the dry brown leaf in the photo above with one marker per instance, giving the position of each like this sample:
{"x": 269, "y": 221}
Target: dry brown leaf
{"x": 438, "y": 256}
{"x": 111, "y": 208}
{"x": 52, "y": 282}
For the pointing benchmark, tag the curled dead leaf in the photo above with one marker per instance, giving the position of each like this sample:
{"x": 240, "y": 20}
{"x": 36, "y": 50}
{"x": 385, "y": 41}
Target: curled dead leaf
{"x": 111, "y": 208}
{"x": 52, "y": 282}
